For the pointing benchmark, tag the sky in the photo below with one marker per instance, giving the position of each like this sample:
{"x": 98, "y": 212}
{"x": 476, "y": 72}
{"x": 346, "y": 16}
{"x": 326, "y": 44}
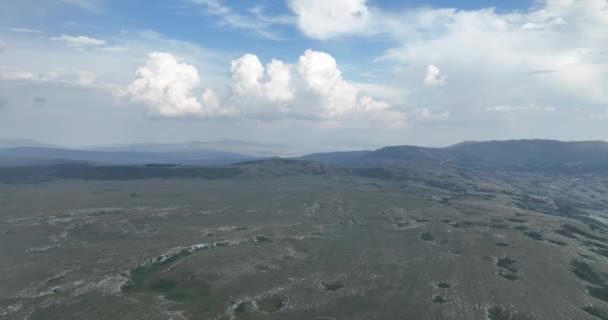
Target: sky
{"x": 341, "y": 74}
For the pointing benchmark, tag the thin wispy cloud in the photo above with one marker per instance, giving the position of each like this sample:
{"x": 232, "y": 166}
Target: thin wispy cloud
{"x": 55, "y": 77}
{"x": 84, "y": 42}
{"x": 253, "y": 20}
{"x": 520, "y": 108}
{"x": 542, "y": 71}
{"x": 89, "y": 5}
{"x": 79, "y": 41}
{"x": 26, "y": 30}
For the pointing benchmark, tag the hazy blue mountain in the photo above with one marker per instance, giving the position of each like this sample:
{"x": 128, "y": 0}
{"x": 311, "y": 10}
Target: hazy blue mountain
{"x": 14, "y": 143}
{"x": 336, "y": 157}
{"x": 387, "y": 156}
{"x": 526, "y": 154}
{"x": 251, "y": 149}
{"x": 512, "y": 154}
{"x": 34, "y": 155}
{"x": 537, "y": 153}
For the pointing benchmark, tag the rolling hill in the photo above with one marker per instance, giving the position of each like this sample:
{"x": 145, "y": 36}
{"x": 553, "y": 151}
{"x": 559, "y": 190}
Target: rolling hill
{"x": 512, "y": 154}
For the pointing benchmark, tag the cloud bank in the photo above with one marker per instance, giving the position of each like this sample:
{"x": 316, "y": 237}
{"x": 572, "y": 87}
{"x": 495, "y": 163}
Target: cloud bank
{"x": 489, "y": 55}
{"x": 311, "y": 88}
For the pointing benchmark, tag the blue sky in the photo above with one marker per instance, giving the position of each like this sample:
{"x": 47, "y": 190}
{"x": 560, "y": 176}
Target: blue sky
{"x": 188, "y": 21}
{"x": 317, "y": 74}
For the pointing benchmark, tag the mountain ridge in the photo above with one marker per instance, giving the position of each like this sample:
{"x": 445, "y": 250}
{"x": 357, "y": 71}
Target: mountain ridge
{"x": 529, "y": 154}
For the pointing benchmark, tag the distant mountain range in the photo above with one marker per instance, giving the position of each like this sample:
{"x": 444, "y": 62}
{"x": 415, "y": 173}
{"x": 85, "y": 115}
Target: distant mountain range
{"x": 14, "y": 143}
{"x": 512, "y": 154}
{"x": 26, "y": 152}
{"x": 246, "y": 148}
{"x": 43, "y": 156}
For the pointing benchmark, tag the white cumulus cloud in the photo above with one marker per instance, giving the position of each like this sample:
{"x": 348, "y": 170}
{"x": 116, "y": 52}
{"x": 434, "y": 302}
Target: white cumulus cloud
{"x": 261, "y": 89}
{"x": 278, "y": 88}
{"x": 324, "y": 81}
{"x": 166, "y": 87}
{"x": 322, "y": 19}
{"x": 311, "y": 88}
{"x": 380, "y": 112}
{"x": 433, "y": 77}
{"x": 490, "y": 54}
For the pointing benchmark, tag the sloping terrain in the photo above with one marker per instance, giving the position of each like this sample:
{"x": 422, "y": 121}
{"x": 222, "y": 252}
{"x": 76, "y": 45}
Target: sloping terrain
{"x": 530, "y": 155}
{"x": 292, "y": 239}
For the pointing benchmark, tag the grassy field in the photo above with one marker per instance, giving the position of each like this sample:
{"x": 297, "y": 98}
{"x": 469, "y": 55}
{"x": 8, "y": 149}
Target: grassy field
{"x": 298, "y": 247}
